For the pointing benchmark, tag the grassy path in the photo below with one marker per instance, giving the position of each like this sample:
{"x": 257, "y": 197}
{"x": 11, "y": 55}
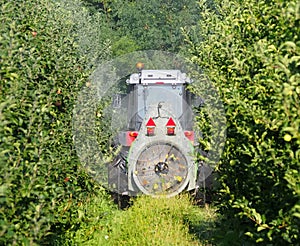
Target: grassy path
{"x": 149, "y": 221}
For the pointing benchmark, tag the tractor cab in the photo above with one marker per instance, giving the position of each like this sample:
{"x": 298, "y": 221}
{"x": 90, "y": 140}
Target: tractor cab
{"x": 157, "y": 87}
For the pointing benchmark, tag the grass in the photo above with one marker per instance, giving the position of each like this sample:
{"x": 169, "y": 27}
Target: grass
{"x": 149, "y": 221}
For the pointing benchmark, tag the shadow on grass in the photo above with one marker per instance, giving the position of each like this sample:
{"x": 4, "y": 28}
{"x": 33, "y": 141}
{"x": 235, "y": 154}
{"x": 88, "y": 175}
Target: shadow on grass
{"x": 211, "y": 229}
{"x": 202, "y": 224}
{"x": 204, "y": 232}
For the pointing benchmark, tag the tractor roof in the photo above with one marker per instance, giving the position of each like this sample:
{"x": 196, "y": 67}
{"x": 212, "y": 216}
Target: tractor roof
{"x": 146, "y": 77}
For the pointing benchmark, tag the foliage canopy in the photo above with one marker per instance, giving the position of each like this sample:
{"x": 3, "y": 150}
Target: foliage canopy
{"x": 250, "y": 50}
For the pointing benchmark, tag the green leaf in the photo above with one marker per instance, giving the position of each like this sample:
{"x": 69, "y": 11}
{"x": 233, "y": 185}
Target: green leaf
{"x": 262, "y": 227}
